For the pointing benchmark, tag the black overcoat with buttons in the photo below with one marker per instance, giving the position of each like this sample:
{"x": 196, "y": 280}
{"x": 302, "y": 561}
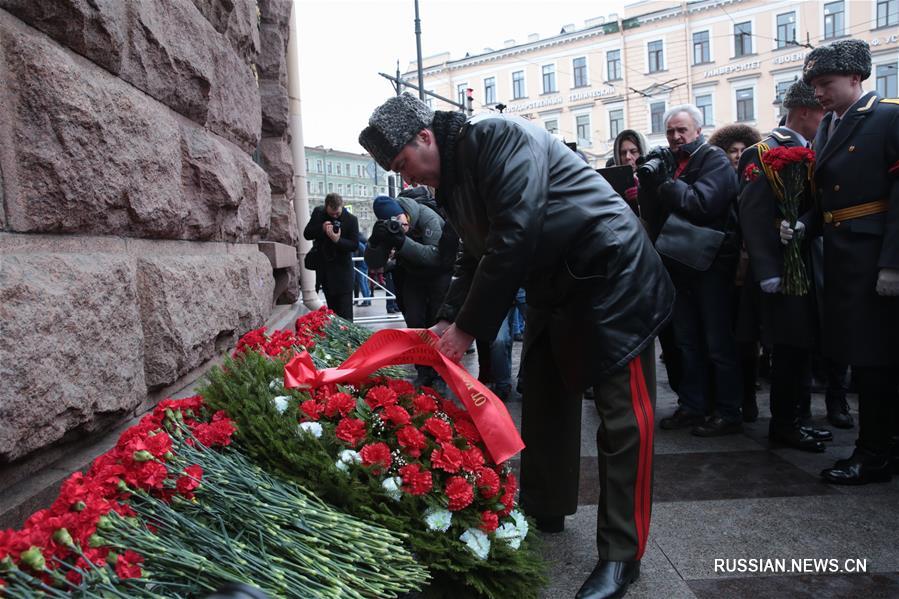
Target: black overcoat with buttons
{"x": 859, "y": 163}
{"x": 782, "y": 319}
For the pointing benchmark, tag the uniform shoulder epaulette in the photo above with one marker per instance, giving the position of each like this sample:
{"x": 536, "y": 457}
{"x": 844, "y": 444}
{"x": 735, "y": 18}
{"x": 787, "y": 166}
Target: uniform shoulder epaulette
{"x": 780, "y": 136}
{"x": 889, "y": 101}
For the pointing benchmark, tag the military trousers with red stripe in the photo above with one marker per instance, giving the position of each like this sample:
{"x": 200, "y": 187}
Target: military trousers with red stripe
{"x": 550, "y": 462}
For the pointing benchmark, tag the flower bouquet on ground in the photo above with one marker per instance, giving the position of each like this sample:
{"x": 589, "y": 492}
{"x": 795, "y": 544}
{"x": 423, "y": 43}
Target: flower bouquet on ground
{"x": 394, "y": 455}
{"x": 163, "y": 514}
{"x": 789, "y": 172}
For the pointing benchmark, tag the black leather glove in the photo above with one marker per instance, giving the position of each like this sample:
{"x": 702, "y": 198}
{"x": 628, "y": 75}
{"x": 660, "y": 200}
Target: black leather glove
{"x": 396, "y": 238}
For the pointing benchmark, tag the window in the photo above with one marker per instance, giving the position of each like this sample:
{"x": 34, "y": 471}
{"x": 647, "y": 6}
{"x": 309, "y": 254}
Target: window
{"x": 582, "y": 125}
{"x": 613, "y": 64}
{"x": 321, "y": 187}
{"x": 338, "y": 168}
{"x": 886, "y": 78}
{"x": 429, "y": 100}
{"x": 887, "y": 13}
{"x": 655, "y": 58}
{"x": 329, "y": 168}
{"x": 307, "y": 165}
{"x": 549, "y": 78}
{"x": 347, "y": 165}
{"x": 704, "y": 104}
{"x": 490, "y": 90}
{"x": 834, "y": 14}
{"x": 580, "y": 71}
{"x": 340, "y": 188}
{"x": 552, "y": 126}
{"x": 330, "y": 187}
{"x": 786, "y": 29}
{"x": 308, "y": 186}
{"x": 364, "y": 190}
{"x": 656, "y": 112}
{"x": 701, "y": 52}
{"x": 616, "y": 123}
{"x": 742, "y": 39}
{"x": 745, "y": 105}
{"x": 780, "y": 89}
{"x": 518, "y": 85}
{"x": 461, "y": 94}
{"x": 318, "y": 166}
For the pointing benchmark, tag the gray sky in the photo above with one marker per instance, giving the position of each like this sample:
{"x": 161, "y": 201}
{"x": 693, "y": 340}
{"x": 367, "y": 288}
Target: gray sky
{"x": 345, "y": 43}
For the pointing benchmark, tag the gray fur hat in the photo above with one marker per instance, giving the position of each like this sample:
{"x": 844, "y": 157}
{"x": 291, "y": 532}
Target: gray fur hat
{"x": 846, "y": 57}
{"x": 800, "y": 95}
{"x": 392, "y": 125}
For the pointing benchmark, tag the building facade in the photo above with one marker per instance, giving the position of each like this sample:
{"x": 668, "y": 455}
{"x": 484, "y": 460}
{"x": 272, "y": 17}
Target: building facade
{"x": 356, "y": 177}
{"x": 734, "y": 59}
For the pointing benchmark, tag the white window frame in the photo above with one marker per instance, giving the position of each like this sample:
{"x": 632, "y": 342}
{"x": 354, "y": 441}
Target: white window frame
{"x": 605, "y": 68}
{"x": 649, "y": 103}
{"x": 745, "y": 84}
{"x": 881, "y": 61}
{"x": 574, "y": 116}
{"x": 611, "y": 108}
{"x": 586, "y": 71}
{"x": 555, "y": 118}
{"x": 705, "y": 91}
{"x": 752, "y": 37}
{"x": 711, "y": 46}
{"x": 524, "y": 83}
{"x": 796, "y": 27}
{"x": 464, "y": 98}
{"x": 846, "y": 22}
{"x": 874, "y": 16}
{"x": 555, "y": 77}
{"x": 664, "y": 66}
{"x": 484, "y": 87}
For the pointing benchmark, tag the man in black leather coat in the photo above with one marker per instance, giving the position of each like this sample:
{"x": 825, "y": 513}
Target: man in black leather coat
{"x": 532, "y": 214}
{"x": 334, "y": 232}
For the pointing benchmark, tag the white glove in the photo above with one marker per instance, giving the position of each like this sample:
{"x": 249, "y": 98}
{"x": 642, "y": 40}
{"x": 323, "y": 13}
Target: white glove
{"x": 786, "y": 233}
{"x": 771, "y": 285}
{"x": 888, "y": 282}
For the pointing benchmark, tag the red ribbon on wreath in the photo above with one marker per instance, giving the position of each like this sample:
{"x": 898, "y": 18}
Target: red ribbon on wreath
{"x": 391, "y": 347}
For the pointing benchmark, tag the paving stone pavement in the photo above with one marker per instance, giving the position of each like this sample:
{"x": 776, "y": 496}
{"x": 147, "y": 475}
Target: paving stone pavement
{"x": 732, "y": 498}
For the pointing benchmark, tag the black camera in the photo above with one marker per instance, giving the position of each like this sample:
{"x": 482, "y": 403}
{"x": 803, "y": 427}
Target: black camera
{"x": 393, "y": 226}
{"x": 335, "y": 225}
{"x": 657, "y": 165}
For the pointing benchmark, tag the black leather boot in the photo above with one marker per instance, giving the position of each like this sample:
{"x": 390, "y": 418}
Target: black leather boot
{"x": 609, "y": 580}
{"x": 861, "y": 468}
{"x": 838, "y": 411}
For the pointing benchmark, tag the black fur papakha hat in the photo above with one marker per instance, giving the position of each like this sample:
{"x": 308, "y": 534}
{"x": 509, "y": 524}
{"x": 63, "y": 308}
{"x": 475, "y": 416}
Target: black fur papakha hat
{"x": 846, "y": 57}
{"x": 392, "y": 125}
{"x": 800, "y": 95}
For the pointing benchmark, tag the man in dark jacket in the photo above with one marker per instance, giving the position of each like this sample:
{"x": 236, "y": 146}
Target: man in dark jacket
{"x": 334, "y": 233}
{"x": 531, "y": 213}
{"x": 857, "y": 180}
{"x": 788, "y": 322}
{"x": 698, "y": 185}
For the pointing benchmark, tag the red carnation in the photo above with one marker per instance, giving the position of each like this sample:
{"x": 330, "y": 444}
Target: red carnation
{"x": 438, "y": 428}
{"x": 339, "y": 403}
{"x": 447, "y": 458}
{"x": 127, "y": 565}
{"x": 508, "y": 498}
{"x": 189, "y": 482}
{"x": 424, "y": 404}
{"x": 350, "y": 430}
{"x": 380, "y": 397}
{"x": 415, "y": 480}
{"x": 489, "y": 521}
{"x": 412, "y": 440}
{"x": 396, "y": 414}
{"x": 312, "y": 409}
{"x": 751, "y": 172}
{"x": 400, "y": 386}
{"x": 459, "y": 492}
{"x": 466, "y": 428}
{"x": 214, "y": 433}
{"x": 488, "y": 482}
{"x": 376, "y": 455}
{"x": 472, "y": 458}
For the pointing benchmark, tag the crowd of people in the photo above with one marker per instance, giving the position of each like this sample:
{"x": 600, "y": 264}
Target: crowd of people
{"x": 732, "y": 260}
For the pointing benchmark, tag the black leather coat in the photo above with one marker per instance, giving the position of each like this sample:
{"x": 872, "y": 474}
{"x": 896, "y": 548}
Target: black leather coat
{"x": 531, "y": 213}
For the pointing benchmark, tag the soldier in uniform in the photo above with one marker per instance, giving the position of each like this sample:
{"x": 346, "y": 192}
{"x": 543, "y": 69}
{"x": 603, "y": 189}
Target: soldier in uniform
{"x": 788, "y": 322}
{"x": 857, "y": 179}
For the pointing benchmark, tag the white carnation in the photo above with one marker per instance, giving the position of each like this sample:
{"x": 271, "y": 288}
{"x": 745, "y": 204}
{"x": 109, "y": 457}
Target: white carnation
{"x": 276, "y": 384}
{"x": 392, "y": 485}
{"x": 509, "y": 533}
{"x": 438, "y": 519}
{"x": 346, "y": 458}
{"x": 477, "y": 542}
{"x": 313, "y": 428}
{"x": 281, "y": 403}
{"x": 521, "y": 523}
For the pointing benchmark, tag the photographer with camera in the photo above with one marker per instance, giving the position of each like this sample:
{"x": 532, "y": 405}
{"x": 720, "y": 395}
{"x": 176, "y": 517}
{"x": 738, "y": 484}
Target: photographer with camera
{"x": 334, "y": 233}
{"x": 688, "y": 197}
{"x": 406, "y": 240}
